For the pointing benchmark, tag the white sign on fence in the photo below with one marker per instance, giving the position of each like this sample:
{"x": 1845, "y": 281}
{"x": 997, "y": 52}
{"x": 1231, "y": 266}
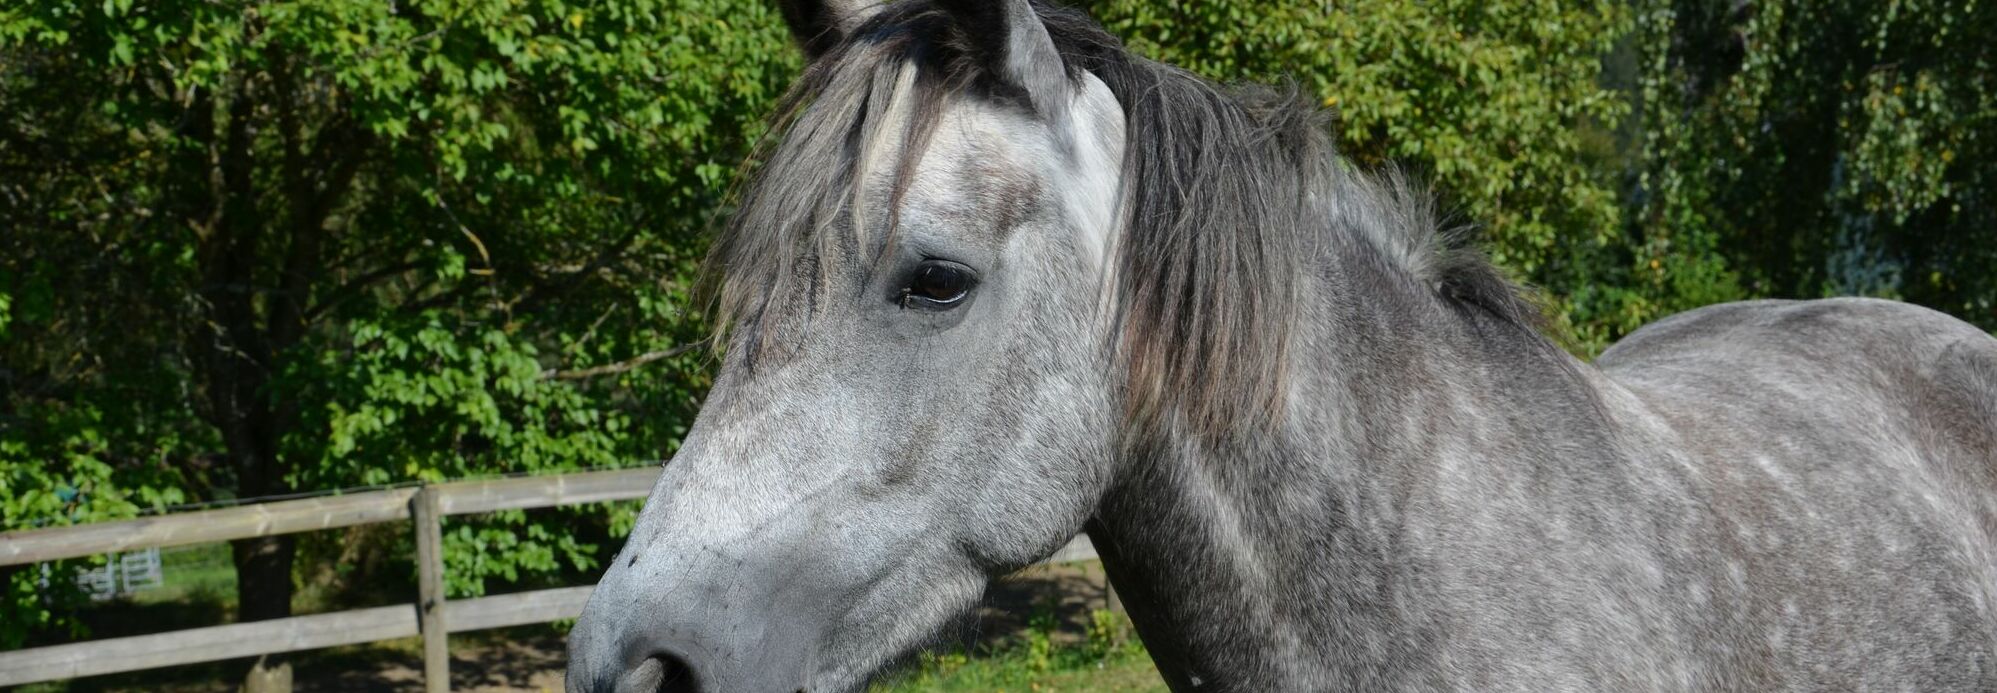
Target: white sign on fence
{"x": 122, "y": 576}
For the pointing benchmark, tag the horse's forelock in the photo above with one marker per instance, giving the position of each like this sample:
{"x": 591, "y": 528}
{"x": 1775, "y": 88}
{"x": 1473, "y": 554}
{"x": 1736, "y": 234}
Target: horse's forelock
{"x": 802, "y": 209}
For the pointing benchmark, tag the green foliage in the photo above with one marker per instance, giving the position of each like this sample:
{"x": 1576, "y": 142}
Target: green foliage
{"x": 434, "y": 400}
{"x": 1823, "y": 148}
{"x": 262, "y": 247}
{"x": 504, "y": 547}
{"x": 71, "y": 466}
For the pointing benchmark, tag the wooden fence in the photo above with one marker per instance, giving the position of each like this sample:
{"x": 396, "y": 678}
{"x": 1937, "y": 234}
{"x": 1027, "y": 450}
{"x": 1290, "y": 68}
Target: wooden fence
{"x": 432, "y": 617}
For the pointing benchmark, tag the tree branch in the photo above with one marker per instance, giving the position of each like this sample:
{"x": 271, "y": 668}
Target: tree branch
{"x": 621, "y": 366}
{"x": 440, "y": 299}
{"x": 355, "y": 287}
{"x": 538, "y": 293}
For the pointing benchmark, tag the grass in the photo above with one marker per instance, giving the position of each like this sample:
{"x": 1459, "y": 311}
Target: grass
{"x": 199, "y": 573}
{"x": 1001, "y": 672}
{"x": 1039, "y": 659}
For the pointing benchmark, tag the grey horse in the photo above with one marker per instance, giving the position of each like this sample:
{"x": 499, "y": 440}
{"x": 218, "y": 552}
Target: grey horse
{"x": 998, "y": 281}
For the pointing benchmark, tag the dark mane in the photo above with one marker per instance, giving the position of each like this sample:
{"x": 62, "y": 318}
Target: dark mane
{"x": 1228, "y": 195}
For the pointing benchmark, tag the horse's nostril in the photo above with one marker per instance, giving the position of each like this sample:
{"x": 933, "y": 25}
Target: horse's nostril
{"x": 677, "y": 676}
{"x": 659, "y": 673}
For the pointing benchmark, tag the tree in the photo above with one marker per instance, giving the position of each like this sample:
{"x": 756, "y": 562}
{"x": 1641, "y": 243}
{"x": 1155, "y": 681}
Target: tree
{"x": 254, "y": 248}
{"x": 1823, "y": 148}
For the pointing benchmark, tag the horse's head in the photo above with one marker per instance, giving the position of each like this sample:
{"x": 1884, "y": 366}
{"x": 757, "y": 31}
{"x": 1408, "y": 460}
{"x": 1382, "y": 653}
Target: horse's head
{"x": 914, "y": 396}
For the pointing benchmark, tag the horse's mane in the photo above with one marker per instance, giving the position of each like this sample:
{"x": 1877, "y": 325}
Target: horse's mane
{"x": 1228, "y": 195}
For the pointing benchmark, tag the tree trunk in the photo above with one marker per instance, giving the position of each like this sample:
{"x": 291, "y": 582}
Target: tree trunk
{"x": 263, "y": 577}
{"x": 238, "y": 359}
{"x": 263, "y": 591}
{"x": 259, "y": 272}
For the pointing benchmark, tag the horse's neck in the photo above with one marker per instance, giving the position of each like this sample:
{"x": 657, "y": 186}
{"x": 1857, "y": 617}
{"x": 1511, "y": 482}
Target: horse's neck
{"x": 1282, "y": 559}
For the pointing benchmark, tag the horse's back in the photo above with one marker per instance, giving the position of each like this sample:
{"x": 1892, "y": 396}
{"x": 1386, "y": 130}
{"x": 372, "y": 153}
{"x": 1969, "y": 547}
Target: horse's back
{"x": 1865, "y": 367}
{"x": 1826, "y": 331}
{"x": 1850, "y": 448}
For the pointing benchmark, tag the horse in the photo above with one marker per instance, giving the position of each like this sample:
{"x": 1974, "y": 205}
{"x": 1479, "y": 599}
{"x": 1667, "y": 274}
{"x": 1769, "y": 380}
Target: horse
{"x": 997, "y": 281}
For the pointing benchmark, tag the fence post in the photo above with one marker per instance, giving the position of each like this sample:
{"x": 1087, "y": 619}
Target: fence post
{"x": 430, "y": 591}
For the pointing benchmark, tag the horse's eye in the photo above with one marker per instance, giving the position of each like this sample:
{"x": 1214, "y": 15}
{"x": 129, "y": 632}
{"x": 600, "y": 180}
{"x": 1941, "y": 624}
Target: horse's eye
{"x": 938, "y": 284}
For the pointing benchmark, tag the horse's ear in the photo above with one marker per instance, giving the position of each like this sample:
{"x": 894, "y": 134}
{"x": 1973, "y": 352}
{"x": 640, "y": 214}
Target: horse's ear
{"x": 819, "y": 25}
{"x": 1014, "y": 44}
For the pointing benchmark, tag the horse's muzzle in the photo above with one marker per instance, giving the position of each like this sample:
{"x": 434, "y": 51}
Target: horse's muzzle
{"x": 679, "y": 630}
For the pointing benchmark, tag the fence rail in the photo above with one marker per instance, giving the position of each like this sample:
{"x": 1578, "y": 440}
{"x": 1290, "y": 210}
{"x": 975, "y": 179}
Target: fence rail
{"x": 432, "y": 617}
{"x": 201, "y": 527}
